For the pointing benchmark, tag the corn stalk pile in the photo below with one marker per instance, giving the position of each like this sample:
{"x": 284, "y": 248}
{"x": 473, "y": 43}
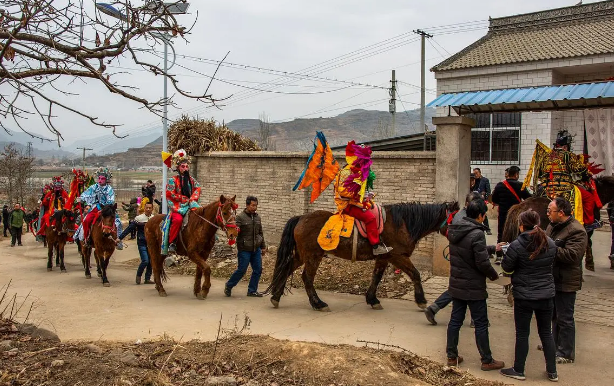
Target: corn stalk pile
{"x": 198, "y": 136}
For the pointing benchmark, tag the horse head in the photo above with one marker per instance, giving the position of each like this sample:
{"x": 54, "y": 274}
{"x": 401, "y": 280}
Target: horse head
{"x": 68, "y": 223}
{"x": 107, "y": 220}
{"x": 605, "y": 188}
{"x": 227, "y": 218}
{"x": 451, "y": 209}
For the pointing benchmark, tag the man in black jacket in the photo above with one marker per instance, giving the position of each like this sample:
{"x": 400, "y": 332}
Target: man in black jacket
{"x": 139, "y": 225}
{"x": 5, "y": 219}
{"x": 250, "y": 245}
{"x": 469, "y": 268}
{"x": 506, "y": 194}
{"x": 571, "y": 239}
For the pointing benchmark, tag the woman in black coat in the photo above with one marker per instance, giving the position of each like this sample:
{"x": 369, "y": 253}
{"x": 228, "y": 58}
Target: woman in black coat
{"x": 529, "y": 260}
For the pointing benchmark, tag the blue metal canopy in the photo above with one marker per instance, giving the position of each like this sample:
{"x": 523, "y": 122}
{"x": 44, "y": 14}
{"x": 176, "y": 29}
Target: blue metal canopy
{"x": 563, "y": 97}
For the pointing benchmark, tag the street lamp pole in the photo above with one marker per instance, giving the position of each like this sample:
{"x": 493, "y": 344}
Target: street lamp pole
{"x": 165, "y": 130}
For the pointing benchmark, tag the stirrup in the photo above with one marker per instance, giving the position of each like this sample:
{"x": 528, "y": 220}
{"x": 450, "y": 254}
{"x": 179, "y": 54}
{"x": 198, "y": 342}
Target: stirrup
{"x": 172, "y": 248}
{"x": 381, "y": 249}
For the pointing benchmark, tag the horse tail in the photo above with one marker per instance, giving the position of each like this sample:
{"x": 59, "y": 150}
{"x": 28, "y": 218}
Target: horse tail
{"x": 511, "y": 226}
{"x": 284, "y": 266}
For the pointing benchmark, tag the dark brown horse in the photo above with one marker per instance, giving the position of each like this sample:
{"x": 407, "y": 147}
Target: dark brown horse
{"x": 406, "y": 224}
{"x": 194, "y": 241}
{"x": 605, "y": 189}
{"x": 103, "y": 235}
{"x": 56, "y": 237}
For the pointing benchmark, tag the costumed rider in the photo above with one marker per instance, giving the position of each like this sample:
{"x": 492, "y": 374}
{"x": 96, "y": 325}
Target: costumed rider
{"x": 352, "y": 196}
{"x": 182, "y": 194}
{"x": 97, "y": 196}
{"x": 56, "y": 199}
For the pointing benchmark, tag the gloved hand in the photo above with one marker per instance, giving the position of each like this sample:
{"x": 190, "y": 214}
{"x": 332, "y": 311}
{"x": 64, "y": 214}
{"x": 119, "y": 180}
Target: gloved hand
{"x": 559, "y": 243}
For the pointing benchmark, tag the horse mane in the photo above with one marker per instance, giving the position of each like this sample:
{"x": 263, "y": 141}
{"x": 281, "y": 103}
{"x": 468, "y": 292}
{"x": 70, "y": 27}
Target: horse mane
{"x": 418, "y": 218}
{"x": 107, "y": 211}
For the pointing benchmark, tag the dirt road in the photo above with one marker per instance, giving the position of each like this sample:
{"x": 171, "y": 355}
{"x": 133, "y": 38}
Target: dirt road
{"x": 81, "y": 309}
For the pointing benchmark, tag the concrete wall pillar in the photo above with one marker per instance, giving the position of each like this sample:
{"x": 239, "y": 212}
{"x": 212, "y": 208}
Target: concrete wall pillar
{"x": 452, "y": 173}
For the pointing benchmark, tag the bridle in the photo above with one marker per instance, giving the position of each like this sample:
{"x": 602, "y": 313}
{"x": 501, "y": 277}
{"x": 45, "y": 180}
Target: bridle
{"x": 108, "y": 228}
{"x": 219, "y": 218}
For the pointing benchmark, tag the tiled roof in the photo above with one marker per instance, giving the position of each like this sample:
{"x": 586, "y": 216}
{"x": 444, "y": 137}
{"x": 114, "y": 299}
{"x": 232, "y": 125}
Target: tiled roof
{"x": 555, "y": 34}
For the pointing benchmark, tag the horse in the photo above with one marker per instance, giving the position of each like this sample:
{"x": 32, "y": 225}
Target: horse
{"x": 605, "y": 190}
{"x": 103, "y": 235}
{"x": 195, "y": 241}
{"x": 406, "y": 223}
{"x": 56, "y": 237}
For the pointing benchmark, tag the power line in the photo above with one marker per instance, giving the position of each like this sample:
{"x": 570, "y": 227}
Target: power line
{"x": 440, "y": 46}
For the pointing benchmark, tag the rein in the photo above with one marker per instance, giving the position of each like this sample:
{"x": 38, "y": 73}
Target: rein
{"x": 231, "y": 223}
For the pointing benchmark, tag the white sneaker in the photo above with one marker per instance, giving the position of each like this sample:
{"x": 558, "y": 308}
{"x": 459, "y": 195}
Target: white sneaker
{"x": 381, "y": 249}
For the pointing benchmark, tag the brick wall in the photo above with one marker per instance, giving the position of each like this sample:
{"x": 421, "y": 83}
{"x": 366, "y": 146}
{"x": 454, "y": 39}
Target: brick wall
{"x": 270, "y": 176}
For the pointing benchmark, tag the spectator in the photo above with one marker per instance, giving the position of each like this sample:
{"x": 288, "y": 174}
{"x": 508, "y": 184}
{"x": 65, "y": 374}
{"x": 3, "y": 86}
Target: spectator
{"x": 132, "y": 208}
{"x": 444, "y": 299}
{"x": 149, "y": 190}
{"x": 16, "y": 220}
{"x": 611, "y": 217}
{"x": 529, "y": 260}
{"x": 469, "y": 269}
{"x": 250, "y": 245}
{"x": 482, "y": 186}
{"x": 139, "y": 225}
{"x": 5, "y": 219}
{"x": 506, "y": 194}
{"x": 590, "y": 206}
{"x": 571, "y": 240}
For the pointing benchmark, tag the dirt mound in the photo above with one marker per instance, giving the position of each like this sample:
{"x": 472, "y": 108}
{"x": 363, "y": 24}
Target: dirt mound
{"x": 233, "y": 360}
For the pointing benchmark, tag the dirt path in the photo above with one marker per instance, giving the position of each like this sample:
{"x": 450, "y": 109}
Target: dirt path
{"x": 80, "y": 309}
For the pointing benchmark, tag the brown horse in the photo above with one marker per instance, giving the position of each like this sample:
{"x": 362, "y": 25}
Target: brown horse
{"x": 605, "y": 190}
{"x": 406, "y": 224}
{"x": 195, "y": 241}
{"x": 103, "y": 235}
{"x": 57, "y": 236}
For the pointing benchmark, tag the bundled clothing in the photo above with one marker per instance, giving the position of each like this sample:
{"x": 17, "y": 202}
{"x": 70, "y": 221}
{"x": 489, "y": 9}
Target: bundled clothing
{"x": 131, "y": 208}
{"x": 534, "y": 291}
{"x": 16, "y": 220}
{"x": 139, "y": 225}
{"x": 250, "y": 243}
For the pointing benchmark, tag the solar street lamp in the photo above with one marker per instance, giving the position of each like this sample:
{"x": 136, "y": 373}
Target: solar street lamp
{"x": 155, "y": 7}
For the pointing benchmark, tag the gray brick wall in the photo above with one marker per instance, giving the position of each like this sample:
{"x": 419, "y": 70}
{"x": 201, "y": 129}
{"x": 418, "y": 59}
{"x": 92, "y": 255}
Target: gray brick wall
{"x": 270, "y": 176}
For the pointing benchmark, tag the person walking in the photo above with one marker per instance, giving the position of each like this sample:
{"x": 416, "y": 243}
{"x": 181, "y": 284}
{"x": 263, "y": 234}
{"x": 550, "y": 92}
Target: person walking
{"x": 571, "y": 240}
{"x": 529, "y": 260}
{"x": 482, "y": 186}
{"x": 139, "y": 226}
{"x": 16, "y": 219}
{"x": 250, "y": 245}
{"x": 132, "y": 209}
{"x": 5, "y": 219}
{"x": 506, "y": 194}
{"x": 469, "y": 268}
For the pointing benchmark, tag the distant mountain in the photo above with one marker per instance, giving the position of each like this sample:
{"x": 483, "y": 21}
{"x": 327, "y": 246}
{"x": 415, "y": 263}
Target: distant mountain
{"x": 37, "y": 153}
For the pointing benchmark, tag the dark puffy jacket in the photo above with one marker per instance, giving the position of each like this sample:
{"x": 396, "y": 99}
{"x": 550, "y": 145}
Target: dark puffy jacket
{"x": 469, "y": 264}
{"x": 570, "y": 239}
{"x": 506, "y": 199}
{"x": 149, "y": 191}
{"x": 250, "y": 235}
{"x": 139, "y": 223}
{"x": 531, "y": 279}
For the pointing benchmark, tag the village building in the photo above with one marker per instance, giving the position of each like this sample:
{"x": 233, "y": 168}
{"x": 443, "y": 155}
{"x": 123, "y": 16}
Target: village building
{"x": 571, "y": 45}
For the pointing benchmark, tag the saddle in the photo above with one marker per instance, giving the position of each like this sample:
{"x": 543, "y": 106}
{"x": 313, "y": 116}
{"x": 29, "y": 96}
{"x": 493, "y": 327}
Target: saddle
{"x": 341, "y": 225}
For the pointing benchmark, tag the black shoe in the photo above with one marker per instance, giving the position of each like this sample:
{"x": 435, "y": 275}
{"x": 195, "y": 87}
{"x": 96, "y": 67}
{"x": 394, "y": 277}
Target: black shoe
{"x": 553, "y": 377}
{"x": 510, "y": 372}
{"x": 227, "y": 291}
{"x": 20, "y": 245}
{"x": 430, "y": 316}
{"x": 254, "y": 294}
{"x": 138, "y": 280}
{"x": 149, "y": 282}
{"x": 563, "y": 360}
{"x": 172, "y": 248}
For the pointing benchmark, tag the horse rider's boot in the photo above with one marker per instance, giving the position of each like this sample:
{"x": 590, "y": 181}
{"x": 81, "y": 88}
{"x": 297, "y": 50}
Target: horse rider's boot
{"x": 381, "y": 249}
{"x": 172, "y": 248}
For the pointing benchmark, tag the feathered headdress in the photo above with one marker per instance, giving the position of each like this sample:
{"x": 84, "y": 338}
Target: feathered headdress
{"x": 358, "y": 158}
{"x": 104, "y": 172}
{"x": 57, "y": 182}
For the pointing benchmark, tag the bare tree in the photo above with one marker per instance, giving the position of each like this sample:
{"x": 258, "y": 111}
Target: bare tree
{"x": 45, "y": 41}
{"x": 16, "y": 169}
{"x": 264, "y": 133}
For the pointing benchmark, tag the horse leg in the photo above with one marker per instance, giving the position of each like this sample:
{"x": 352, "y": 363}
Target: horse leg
{"x": 309, "y": 274}
{"x": 378, "y": 272}
{"x": 98, "y": 263}
{"x": 197, "y": 280}
{"x": 49, "y": 258}
{"x": 157, "y": 266}
{"x": 276, "y": 296}
{"x": 104, "y": 262}
{"x": 405, "y": 265}
{"x": 589, "y": 262}
{"x": 57, "y": 252}
{"x": 87, "y": 255}
{"x": 205, "y": 272}
{"x": 61, "y": 246}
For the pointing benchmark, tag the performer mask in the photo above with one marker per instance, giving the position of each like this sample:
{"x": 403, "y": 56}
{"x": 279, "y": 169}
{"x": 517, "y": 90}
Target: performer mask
{"x": 102, "y": 180}
{"x": 184, "y": 167}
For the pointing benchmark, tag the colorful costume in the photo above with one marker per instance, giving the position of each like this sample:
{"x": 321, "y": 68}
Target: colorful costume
{"x": 182, "y": 194}
{"x": 53, "y": 200}
{"x": 97, "y": 196}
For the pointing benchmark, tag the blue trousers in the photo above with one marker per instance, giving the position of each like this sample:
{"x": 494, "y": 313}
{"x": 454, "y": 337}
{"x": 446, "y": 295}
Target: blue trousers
{"x": 247, "y": 258}
{"x": 145, "y": 263}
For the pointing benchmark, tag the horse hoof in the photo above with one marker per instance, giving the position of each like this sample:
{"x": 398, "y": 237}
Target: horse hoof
{"x": 88, "y": 276}
{"x": 323, "y": 309}
{"x": 99, "y": 275}
{"x": 422, "y": 306}
{"x": 106, "y": 284}
{"x": 63, "y": 271}
{"x": 377, "y": 306}
{"x": 275, "y": 303}
{"x": 49, "y": 269}
{"x": 162, "y": 294}
{"x": 201, "y": 296}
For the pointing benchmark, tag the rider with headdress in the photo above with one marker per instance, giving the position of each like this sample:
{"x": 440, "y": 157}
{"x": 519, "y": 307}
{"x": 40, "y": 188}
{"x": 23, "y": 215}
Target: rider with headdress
{"x": 182, "y": 193}
{"x": 352, "y": 194}
{"x": 97, "y": 196}
{"x": 54, "y": 199}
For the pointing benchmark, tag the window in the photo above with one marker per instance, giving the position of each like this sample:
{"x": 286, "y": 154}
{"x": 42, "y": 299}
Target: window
{"x": 495, "y": 138}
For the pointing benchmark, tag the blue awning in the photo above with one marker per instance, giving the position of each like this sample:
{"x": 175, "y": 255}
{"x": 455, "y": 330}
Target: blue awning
{"x": 563, "y": 97}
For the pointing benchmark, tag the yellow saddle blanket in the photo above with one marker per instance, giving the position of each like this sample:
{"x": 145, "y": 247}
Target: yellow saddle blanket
{"x": 338, "y": 225}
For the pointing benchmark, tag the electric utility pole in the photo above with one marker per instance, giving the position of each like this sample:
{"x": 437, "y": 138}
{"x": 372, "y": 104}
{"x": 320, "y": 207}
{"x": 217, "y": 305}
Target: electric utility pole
{"x": 423, "y": 36}
{"x": 392, "y": 106}
{"x": 84, "y": 150}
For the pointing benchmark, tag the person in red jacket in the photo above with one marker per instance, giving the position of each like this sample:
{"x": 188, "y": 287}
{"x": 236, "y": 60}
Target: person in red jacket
{"x": 52, "y": 201}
